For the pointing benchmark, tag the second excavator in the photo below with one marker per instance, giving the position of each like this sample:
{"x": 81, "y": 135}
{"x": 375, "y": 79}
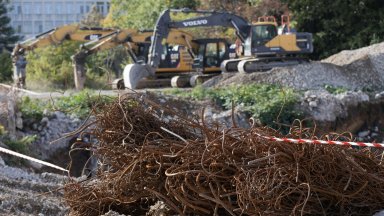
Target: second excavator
{"x": 55, "y": 37}
{"x": 177, "y": 55}
{"x": 263, "y": 47}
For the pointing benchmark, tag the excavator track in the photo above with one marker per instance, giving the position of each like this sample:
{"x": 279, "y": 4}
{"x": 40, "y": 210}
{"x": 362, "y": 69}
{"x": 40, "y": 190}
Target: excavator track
{"x": 267, "y": 63}
{"x": 250, "y": 65}
{"x": 230, "y": 65}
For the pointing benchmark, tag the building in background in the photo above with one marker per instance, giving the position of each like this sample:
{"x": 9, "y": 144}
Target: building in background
{"x": 32, "y": 17}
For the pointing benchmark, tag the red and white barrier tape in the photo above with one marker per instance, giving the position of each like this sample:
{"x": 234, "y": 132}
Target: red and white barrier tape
{"x": 344, "y": 143}
{"x": 7, "y": 151}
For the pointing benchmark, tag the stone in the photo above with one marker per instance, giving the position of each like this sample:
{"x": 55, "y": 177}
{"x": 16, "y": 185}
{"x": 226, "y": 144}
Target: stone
{"x": 44, "y": 122}
{"x": 34, "y": 126}
{"x": 2, "y": 163}
{"x": 313, "y": 104}
{"x": 363, "y": 134}
{"x": 19, "y": 123}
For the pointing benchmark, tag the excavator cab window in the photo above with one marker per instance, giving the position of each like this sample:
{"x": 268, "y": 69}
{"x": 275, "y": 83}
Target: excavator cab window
{"x": 210, "y": 54}
{"x": 261, "y": 34}
{"x": 211, "y": 58}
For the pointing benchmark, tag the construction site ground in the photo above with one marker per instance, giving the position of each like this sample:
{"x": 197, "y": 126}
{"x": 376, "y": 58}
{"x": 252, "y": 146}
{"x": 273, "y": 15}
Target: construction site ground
{"x": 29, "y": 189}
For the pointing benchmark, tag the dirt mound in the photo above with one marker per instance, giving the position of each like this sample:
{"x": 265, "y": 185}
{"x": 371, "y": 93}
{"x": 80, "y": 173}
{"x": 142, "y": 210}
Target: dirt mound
{"x": 23, "y": 193}
{"x": 349, "y": 56}
{"x": 354, "y": 70}
{"x": 196, "y": 169}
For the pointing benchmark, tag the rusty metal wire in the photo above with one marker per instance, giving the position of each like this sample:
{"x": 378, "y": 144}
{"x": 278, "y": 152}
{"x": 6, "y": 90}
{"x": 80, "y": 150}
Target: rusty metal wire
{"x": 197, "y": 169}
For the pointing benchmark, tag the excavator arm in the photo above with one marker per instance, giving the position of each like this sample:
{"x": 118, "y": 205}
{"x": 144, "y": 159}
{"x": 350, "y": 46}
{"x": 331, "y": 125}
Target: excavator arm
{"x": 59, "y": 34}
{"x": 165, "y": 23}
{"x": 131, "y": 40}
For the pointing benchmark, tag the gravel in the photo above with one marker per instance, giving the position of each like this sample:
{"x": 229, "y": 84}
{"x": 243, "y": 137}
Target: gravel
{"x": 354, "y": 70}
{"x": 25, "y": 193}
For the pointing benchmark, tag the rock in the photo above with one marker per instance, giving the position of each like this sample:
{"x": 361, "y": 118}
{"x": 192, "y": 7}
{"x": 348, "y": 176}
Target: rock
{"x": 313, "y": 104}
{"x": 76, "y": 121}
{"x": 2, "y": 163}
{"x": 327, "y": 106}
{"x": 379, "y": 95}
{"x": 59, "y": 115}
{"x": 363, "y": 134}
{"x": 34, "y": 126}
{"x": 46, "y": 112}
{"x": 374, "y": 134}
{"x": 44, "y": 122}
{"x": 112, "y": 213}
{"x": 19, "y": 123}
{"x": 380, "y": 213}
{"x": 35, "y": 165}
{"x": 240, "y": 117}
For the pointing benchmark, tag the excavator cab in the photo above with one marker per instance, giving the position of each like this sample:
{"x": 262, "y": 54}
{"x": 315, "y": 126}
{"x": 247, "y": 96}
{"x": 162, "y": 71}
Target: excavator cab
{"x": 262, "y": 34}
{"x": 263, "y": 31}
{"x": 210, "y": 54}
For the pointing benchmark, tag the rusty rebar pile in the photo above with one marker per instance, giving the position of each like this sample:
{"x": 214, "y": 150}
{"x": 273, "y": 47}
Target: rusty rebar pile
{"x": 195, "y": 169}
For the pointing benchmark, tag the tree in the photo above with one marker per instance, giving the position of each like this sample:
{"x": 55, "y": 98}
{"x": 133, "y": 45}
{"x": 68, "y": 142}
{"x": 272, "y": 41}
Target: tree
{"x": 339, "y": 25}
{"x": 7, "y": 34}
{"x": 7, "y": 37}
{"x": 141, "y": 14}
{"x": 93, "y": 18}
{"x": 5, "y": 67}
{"x": 249, "y": 9}
{"x": 184, "y": 4}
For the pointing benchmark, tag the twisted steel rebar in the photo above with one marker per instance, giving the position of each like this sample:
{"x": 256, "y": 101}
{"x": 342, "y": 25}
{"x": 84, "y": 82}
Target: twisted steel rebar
{"x": 197, "y": 169}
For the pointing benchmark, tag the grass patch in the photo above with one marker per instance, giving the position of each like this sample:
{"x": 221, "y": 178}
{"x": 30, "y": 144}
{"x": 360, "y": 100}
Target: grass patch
{"x": 335, "y": 90}
{"x": 268, "y": 103}
{"x": 78, "y": 104}
{"x": 32, "y": 108}
{"x": 20, "y": 145}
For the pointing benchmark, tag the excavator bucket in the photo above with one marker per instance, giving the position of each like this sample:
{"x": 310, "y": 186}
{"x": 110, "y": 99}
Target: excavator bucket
{"x": 133, "y": 73}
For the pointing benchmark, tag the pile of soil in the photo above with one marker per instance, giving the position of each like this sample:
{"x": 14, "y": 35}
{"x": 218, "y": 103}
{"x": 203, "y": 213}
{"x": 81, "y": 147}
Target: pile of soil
{"x": 25, "y": 193}
{"x": 355, "y": 70}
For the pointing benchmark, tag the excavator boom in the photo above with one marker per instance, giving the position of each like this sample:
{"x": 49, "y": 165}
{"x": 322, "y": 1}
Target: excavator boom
{"x": 57, "y": 36}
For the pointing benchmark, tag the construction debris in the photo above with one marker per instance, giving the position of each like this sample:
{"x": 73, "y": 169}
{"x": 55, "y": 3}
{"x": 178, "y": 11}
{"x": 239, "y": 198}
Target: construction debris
{"x": 196, "y": 169}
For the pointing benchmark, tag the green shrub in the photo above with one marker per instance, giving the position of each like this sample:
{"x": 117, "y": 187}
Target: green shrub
{"x": 5, "y": 67}
{"x": 20, "y": 145}
{"x": 268, "y": 103}
{"x": 335, "y": 90}
{"x": 79, "y": 104}
{"x": 53, "y": 65}
{"x": 2, "y": 130}
{"x": 32, "y": 108}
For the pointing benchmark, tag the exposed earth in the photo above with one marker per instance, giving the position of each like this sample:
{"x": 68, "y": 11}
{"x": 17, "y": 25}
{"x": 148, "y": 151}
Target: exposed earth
{"x": 33, "y": 189}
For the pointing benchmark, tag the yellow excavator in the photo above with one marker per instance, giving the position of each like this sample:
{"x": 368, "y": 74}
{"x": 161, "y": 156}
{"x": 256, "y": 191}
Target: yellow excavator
{"x": 263, "y": 47}
{"x": 53, "y": 37}
{"x": 176, "y": 57}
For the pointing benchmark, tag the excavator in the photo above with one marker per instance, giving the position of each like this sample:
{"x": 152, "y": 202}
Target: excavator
{"x": 263, "y": 48}
{"x": 57, "y": 36}
{"x": 177, "y": 55}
